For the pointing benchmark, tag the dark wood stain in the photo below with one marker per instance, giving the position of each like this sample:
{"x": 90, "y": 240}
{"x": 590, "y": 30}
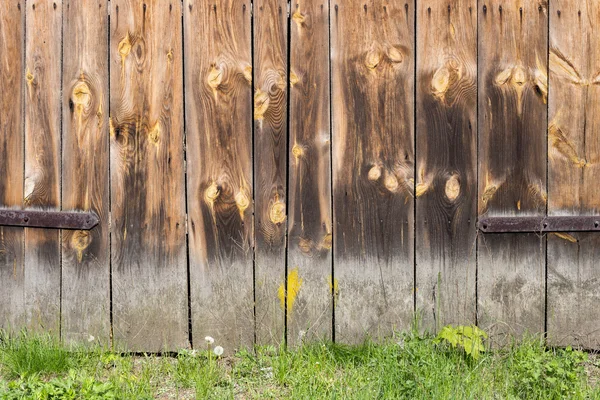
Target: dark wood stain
{"x": 85, "y": 255}
{"x": 12, "y": 311}
{"x": 270, "y": 165}
{"x": 372, "y": 168}
{"x": 42, "y": 165}
{"x": 512, "y": 173}
{"x": 147, "y": 190}
{"x": 334, "y": 185}
{"x": 446, "y": 166}
{"x": 219, "y": 155}
{"x": 310, "y": 220}
{"x": 573, "y": 172}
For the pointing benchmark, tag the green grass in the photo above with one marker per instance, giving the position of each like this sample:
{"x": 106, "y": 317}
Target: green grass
{"x": 410, "y": 366}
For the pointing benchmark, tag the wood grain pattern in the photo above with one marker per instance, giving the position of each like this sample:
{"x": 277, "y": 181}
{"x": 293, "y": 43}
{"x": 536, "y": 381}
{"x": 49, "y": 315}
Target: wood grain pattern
{"x": 309, "y": 304}
{"x": 147, "y": 177}
{"x": 446, "y": 185}
{"x": 372, "y": 57}
{"x": 512, "y": 153}
{"x": 270, "y": 167}
{"x": 85, "y": 254}
{"x": 219, "y": 154}
{"x": 573, "y": 171}
{"x": 42, "y": 161}
{"x": 12, "y": 36}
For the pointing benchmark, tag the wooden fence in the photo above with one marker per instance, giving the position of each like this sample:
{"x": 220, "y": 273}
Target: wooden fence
{"x": 344, "y": 147}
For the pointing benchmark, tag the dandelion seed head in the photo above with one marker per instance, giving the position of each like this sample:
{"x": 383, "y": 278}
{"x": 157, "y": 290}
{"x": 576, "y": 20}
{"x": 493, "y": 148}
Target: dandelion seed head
{"x": 218, "y": 350}
{"x": 209, "y": 340}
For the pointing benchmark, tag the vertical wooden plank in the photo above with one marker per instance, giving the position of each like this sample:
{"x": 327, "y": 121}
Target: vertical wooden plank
{"x": 150, "y": 308}
{"x": 372, "y": 59}
{"x": 512, "y": 173}
{"x": 446, "y": 162}
{"x": 12, "y": 32}
{"x": 573, "y": 171}
{"x": 309, "y": 303}
{"x": 218, "y": 79}
{"x": 42, "y": 161}
{"x": 85, "y": 254}
{"x": 270, "y": 169}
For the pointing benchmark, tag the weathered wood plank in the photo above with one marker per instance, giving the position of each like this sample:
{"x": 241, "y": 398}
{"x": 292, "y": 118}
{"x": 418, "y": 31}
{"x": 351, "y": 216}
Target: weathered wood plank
{"x": 218, "y": 79}
{"x": 309, "y": 301}
{"x": 42, "y": 161}
{"x": 85, "y": 254}
{"x": 372, "y": 59}
{"x": 270, "y": 169}
{"x": 446, "y": 162}
{"x": 512, "y": 154}
{"x": 147, "y": 179}
{"x": 12, "y": 32}
{"x": 573, "y": 171}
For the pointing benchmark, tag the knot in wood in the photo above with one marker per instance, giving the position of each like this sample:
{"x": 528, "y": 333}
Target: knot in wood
{"x": 298, "y": 18}
{"x": 29, "y": 76}
{"x": 215, "y": 76}
{"x": 327, "y": 241}
{"x": 395, "y": 55}
{"x": 391, "y": 182}
{"x": 81, "y": 96}
{"x": 519, "y": 76}
{"x": 421, "y": 188}
{"x": 297, "y": 151}
{"x": 80, "y": 241}
{"x": 154, "y": 133}
{"x": 374, "y": 173}
{"x": 440, "y": 82}
{"x": 242, "y": 202}
{"x": 140, "y": 50}
{"x": 293, "y": 78}
{"x": 261, "y": 104}
{"x": 452, "y": 189}
{"x": 125, "y": 46}
{"x": 488, "y": 193}
{"x": 372, "y": 59}
{"x": 247, "y": 72}
{"x": 503, "y": 76}
{"x": 305, "y": 245}
{"x": 211, "y": 193}
{"x": 277, "y": 212}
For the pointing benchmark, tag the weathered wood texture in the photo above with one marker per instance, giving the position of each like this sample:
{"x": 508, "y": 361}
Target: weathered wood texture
{"x": 309, "y": 290}
{"x": 574, "y": 171}
{"x": 147, "y": 178}
{"x": 12, "y": 34}
{"x": 43, "y": 161}
{"x": 85, "y": 254}
{"x": 315, "y": 224}
{"x": 219, "y": 169}
{"x": 372, "y": 56}
{"x": 512, "y": 153}
{"x": 446, "y": 187}
{"x": 270, "y": 165}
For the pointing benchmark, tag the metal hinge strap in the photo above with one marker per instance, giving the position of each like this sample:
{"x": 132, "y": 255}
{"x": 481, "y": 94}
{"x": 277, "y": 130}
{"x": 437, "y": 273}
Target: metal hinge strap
{"x": 49, "y": 219}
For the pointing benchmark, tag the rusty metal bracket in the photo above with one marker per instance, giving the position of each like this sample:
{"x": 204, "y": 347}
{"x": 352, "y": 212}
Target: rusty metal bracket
{"x": 539, "y": 224}
{"x": 49, "y": 219}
